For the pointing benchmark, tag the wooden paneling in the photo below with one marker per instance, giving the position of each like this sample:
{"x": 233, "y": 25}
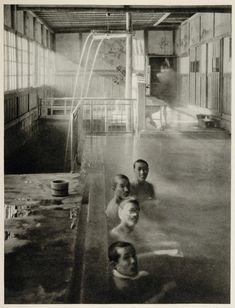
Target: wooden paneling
{"x": 203, "y": 75}
{"x": 192, "y": 76}
{"x": 183, "y": 67}
{"x": 210, "y": 85}
{"x": 7, "y": 16}
{"x": 184, "y": 89}
{"x": 160, "y": 42}
{"x": 227, "y": 94}
{"x": 222, "y": 24}
{"x": 209, "y": 75}
{"x": 38, "y": 32}
{"x": 197, "y": 77}
{"x": 203, "y": 90}
{"x": 194, "y": 30}
{"x": 226, "y": 108}
{"x": 44, "y": 36}
{"x": 23, "y": 103}
{"x": 29, "y": 26}
{"x": 207, "y": 26}
{"x": 213, "y": 91}
{"x": 227, "y": 57}
{"x": 33, "y": 99}
{"x": 177, "y": 42}
{"x": 10, "y": 108}
{"x": 184, "y": 37}
{"x": 138, "y": 51}
{"x": 20, "y": 22}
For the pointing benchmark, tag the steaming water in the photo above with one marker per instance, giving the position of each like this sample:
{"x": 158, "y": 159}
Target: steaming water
{"x": 74, "y": 92}
{"x": 101, "y": 37}
{"x": 191, "y": 174}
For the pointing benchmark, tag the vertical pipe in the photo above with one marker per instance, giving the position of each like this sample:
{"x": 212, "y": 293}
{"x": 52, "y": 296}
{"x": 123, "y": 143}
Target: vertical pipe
{"x": 128, "y": 89}
{"x": 128, "y": 57}
{"x": 93, "y": 65}
{"x": 71, "y": 143}
{"x": 79, "y": 68}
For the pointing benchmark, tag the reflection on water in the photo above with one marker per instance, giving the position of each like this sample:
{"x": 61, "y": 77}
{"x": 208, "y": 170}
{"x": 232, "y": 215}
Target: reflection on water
{"x": 15, "y": 211}
{"x": 34, "y": 239}
{"x": 9, "y": 235}
{"x": 162, "y": 254}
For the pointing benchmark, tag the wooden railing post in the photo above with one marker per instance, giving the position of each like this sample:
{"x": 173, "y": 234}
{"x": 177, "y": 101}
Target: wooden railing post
{"x": 71, "y": 142}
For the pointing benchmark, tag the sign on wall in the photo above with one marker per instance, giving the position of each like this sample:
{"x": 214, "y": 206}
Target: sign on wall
{"x": 184, "y": 37}
{"x": 160, "y": 42}
{"x": 194, "y": 27}
{"x": 207, "y": 24}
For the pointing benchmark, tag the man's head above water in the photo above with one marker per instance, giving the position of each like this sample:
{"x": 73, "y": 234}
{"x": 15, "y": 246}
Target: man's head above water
{"x": 141, "y": 169}
{"x": 122, "y": 258}
{"x": 128, "y": 212}
{"x": 121, "y": 186}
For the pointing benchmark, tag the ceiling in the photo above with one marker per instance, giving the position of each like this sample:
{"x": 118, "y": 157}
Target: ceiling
{"x": 80, "y": 18}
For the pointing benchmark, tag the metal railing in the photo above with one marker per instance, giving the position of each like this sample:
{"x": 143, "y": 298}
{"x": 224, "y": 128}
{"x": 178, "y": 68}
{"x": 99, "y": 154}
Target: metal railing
{"x": 56, "y": 108}
{"x": 99, "y": 115}
{"x": 89, "y": 116}
{"x": 105, "y": 115}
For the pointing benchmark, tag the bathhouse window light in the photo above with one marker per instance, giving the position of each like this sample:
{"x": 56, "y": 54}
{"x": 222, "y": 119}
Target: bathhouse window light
{"x": 32, "y": 64}
{"x": 9, "y": 61}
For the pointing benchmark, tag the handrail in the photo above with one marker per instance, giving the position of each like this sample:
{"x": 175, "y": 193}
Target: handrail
{"x": 90, "y": 115}
{"x": 89, "y": 98}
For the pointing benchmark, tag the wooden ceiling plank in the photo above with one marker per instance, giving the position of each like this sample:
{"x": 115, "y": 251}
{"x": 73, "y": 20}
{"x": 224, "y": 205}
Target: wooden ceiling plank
{"x": 138, "y": 9}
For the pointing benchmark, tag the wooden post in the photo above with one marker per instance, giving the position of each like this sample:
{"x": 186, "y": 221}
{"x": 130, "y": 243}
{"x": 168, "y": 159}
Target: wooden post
{"x": 128, "y": 89}
{"x": 140, "y": 105}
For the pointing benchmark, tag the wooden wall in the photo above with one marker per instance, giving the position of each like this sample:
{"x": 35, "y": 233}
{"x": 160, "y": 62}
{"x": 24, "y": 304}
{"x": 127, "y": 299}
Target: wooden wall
{"x": 206, "y": 39}
{"x": 183, "y": 80}
{"x": 138, "y": 54}
{"x": 108, "y": 78}
{"x": 160, "y": 42}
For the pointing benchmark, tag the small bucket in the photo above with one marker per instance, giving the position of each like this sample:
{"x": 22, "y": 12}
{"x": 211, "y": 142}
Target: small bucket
{"x": 59, "y": 188}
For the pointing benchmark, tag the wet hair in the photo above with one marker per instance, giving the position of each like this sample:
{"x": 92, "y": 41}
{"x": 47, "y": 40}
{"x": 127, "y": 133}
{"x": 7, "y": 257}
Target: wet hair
{"x": 141, "y": 161}
{"x": 129, "y": 200}
{"x": 112, "y": 252}
{"x": 119, "y": 177}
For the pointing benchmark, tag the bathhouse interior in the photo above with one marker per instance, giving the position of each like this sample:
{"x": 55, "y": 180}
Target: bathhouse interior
{"x": 88, "y": 90}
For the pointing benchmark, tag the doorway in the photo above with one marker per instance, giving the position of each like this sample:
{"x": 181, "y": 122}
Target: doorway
{"x": 163, "y": 78}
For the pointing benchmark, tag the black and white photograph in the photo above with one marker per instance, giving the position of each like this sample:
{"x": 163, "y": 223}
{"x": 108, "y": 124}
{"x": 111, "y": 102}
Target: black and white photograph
{"x": 117, "y": 130}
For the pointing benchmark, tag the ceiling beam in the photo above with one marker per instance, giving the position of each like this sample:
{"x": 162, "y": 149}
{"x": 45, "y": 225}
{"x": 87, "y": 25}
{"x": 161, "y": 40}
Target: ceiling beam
{"x": 130, "y": 8}
{"x": 161, "y": 19}
{"x": 104, "y": 29}
{"x": 42, "y": 21}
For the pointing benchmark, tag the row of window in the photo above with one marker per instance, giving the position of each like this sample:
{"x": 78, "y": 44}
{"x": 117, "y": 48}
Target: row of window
{"x": 26, "y": 63}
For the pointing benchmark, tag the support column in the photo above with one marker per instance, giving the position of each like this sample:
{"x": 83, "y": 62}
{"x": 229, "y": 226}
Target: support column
{"x": 128, "y": 89}
{"x": 141, "y": 86}
{"x": 128, "y": 92}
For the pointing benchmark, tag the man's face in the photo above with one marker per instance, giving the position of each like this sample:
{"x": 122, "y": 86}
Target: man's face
{"x": 127, "y": 262}
{"x": 122, "y": 188}
{"x": 141, "y": 171}
{"x": 129, "y": 214}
